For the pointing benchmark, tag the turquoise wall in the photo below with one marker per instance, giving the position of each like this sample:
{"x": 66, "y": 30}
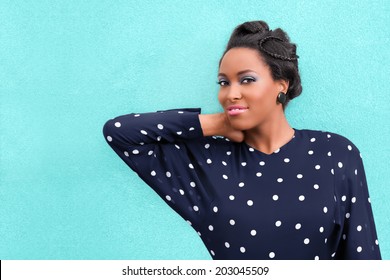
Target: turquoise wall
{"x": 66, "y": 67}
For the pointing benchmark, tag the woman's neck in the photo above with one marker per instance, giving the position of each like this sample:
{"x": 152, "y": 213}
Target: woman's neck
{"x": 270, "y": 135}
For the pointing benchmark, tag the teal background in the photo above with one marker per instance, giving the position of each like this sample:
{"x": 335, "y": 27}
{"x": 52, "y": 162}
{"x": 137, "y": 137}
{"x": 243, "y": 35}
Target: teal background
{"x": 66, "y": 67}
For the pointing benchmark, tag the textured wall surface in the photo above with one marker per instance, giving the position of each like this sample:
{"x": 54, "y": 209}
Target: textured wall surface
{"x": 66, "y": 67}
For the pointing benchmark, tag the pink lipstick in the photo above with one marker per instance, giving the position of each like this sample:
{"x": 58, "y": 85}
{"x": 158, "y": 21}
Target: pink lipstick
{"x": 235, "y": 110}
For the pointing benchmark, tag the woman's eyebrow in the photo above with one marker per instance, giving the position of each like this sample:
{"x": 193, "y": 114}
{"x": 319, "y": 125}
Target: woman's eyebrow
{"x": 238, "y": 73}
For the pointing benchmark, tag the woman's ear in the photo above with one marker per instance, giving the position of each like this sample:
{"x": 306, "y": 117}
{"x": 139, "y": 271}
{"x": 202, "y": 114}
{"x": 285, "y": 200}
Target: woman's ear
{"x": 283, "y": 85}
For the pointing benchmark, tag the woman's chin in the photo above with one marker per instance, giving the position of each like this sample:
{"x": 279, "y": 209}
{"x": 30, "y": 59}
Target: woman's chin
{"x": 241, "y": 125}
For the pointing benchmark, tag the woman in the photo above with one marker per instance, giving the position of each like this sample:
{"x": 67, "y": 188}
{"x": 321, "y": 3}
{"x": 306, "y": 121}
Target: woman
{"x": 252, "y": 186}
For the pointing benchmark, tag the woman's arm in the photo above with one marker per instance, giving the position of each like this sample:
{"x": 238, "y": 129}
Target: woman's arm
{"x": 359, "y": 237}
{"x": 166, "y": 149}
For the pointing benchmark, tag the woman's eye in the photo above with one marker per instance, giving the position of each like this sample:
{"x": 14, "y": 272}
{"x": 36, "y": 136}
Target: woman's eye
{"x": 221, "y": 83}
{"x": 248, "y": 79}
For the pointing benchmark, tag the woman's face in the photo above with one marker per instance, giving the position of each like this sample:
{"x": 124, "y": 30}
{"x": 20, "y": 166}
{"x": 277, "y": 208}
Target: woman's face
{"x": 247, "y": 91}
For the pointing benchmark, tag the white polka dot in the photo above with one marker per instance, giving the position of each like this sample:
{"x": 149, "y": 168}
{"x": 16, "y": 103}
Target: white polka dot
{"x": 359, "y": 249}
{"x": 258, "y": 174}
{"x": 192, "y": 184}
{"x": 326, "y": 240}
{"x": 160, "y": 126}
{"x": 243, "y": 163}
{"x": 349, "y": 147}
{"x": 241, "y": 184}
{"x": 227, "y": 245}
{"x": 225, "y": 176}
{"x": 310, "y": 152}
{"x": 207, "y": 146}
{"x": 316, "y": 258}
{"x": 306, "y": 241}
{"x": 191, "y": 166}
{"x": 158, "y": 138}
{"x": 329, "y": 154}
{"x": 340, "y": 164}
{"x": 277, "y": 151}
{"x": 262, "y": 163}
{"x": 208, "y": 161}
{"x": 332, "y": 171}
{"x": 231, "y": 197}
{"x": 343, "y": 198}
{"x": 199, "y": 233}
{"x": 137, "y": 115}
{"x": 191, "y": 129}
{"x": 168, "y": 198}
{"x": 359, "y": 228}
{"x": 279, "y": 180}
{"x": 325, "y": 209}
{"x": 312, "y": 139}
{"x": 180, "y": 112}
{"x": 150, "y": 153}
{"x": 215, "y": 209}
{"x": 251, "y": 149}
{"x": 126, "y": 153}
{"x": 328, "y": 135}
{"x": 109, "y": 138}
{"x": 316, "y": 186}
{"x": 250, "y": 202}
{"x": 286, "y": 160}
{"x": 353, "y": 200}
{"x": 118, "y": 124}
{"x": 355, "y": 171}
{"x": 224, "y": 163}
{"x": 136, "y": 152}
{"x": 298, "y": 226}
{"x": 278, "y": 223}
{"x": 275, "y": 197}
{"x": 271, "y": 255}
{"x": 376, "y": 242}
{"x": 153, "y": 173}
{"x": 144, "y": 132}
{"x": 253, "y": 232}
{"x": 211, "y": 228}
{"x": 189, "y": 222}
{"x": 228, "y": 153}
{"x": 347, "y": 215}
{"x": 299, "y": 176}
{"x": 168, "y": 174}
{"x": 232, "y": 222}
{"x": 317, "y": 166}
{"x": 334, "y": 254}
{"x": 181, "y": 192}
{"x": 344, "y": 236}
{"x": 196, "y": 208}
{"x": 301, "y": 198}
{"x": 321, "y": 229}
{"x": 242, "y": 249}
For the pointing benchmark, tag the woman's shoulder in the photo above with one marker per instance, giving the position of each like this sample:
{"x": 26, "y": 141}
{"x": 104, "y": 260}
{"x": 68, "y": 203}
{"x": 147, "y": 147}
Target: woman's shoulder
{"x": 332, "y": 140}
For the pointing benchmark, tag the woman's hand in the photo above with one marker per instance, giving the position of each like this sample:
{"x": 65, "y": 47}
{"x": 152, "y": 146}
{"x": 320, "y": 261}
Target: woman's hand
{"x": 218, "y": 124}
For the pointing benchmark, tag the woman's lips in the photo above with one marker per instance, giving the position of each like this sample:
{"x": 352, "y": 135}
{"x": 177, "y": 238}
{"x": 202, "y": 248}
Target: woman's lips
{"x": 236, "y": 110}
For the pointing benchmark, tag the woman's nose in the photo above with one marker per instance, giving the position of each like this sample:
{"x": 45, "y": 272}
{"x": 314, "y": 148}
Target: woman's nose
{"x": 234, "y": 93}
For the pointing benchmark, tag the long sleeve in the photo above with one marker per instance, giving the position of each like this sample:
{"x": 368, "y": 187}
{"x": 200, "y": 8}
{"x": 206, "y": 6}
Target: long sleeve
{"x": 157, "y": 146}
{"x": 358, "y": 233}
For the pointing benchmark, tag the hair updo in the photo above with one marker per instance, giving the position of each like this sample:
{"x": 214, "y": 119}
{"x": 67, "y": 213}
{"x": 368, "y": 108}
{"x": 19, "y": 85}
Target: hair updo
{"x": 274, "y": 47}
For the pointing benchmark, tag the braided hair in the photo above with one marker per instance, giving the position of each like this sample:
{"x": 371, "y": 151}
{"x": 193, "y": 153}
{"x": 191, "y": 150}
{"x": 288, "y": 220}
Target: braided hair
{"x": 274, "y": 47}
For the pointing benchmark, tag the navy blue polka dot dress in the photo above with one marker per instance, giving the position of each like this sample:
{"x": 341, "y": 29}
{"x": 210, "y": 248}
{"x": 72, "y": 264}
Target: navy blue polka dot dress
{"x": 306, "y": 200}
